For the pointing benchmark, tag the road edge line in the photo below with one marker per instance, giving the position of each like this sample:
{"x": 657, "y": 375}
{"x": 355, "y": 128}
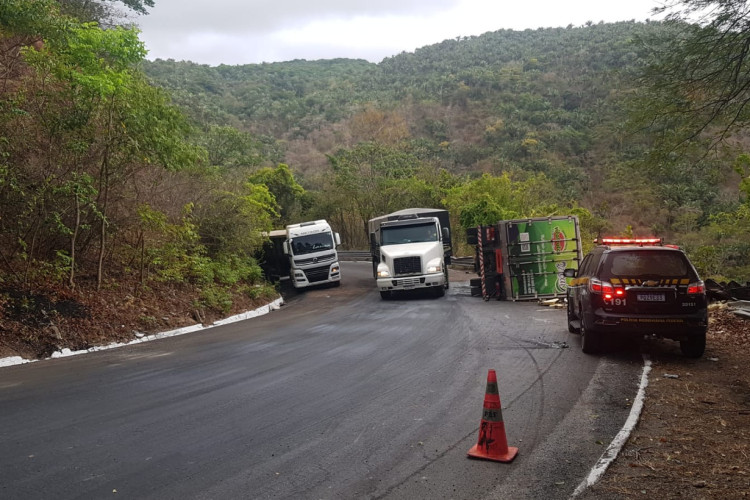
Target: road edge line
{"x": 621, "y": 438}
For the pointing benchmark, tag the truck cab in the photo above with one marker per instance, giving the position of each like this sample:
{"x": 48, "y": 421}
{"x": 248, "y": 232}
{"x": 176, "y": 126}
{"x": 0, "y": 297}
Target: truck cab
{"x": 311, "y": 250}
{"x": 410, "y": 251}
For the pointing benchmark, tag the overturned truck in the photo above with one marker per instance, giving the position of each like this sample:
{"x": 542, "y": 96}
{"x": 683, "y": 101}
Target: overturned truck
{"x": 524, "y": 259}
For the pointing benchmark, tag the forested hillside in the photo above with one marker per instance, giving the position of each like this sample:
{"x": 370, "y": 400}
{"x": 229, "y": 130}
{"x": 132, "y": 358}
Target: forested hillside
{"x": 548, "y": 111}
{"x": 132, "y": 177}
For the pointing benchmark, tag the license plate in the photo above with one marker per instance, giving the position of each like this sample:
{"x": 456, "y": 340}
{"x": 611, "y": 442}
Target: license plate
{"x": 651, "y": 297}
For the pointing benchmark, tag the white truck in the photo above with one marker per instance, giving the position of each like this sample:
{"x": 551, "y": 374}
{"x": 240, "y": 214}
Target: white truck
{"x": 308, "y": 254}
{"x": 411, "y": 249}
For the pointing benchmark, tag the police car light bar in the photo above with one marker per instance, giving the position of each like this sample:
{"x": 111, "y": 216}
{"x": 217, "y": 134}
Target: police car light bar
{"x": 629, "y": 241}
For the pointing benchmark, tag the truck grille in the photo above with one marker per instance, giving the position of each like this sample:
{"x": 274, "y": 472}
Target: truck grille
{"x": 408, "y": 282}
{"x": 407, "y": 265}
{"x": 317, "y": 274}
{"x": 323, "y": 258}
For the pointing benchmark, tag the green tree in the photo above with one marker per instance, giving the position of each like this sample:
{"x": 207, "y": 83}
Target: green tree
{"x": 369, "y": 179}
{"x": 697, "y": 80}
{"x": 229, "y": 148}
{"x": 103, "y": 12}
{"x": 288, "y": 195}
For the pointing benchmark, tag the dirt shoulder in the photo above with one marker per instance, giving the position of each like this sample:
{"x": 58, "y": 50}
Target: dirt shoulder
{"x": 693, "y": 437}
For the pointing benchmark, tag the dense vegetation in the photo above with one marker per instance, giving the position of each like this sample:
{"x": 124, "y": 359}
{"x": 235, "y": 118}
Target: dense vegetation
{"x": 507, "y": 124}
{"x": 118, "y": 170}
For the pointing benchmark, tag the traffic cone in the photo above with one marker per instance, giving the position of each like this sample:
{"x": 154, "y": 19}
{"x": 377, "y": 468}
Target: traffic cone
{"x": 492, "y": 444}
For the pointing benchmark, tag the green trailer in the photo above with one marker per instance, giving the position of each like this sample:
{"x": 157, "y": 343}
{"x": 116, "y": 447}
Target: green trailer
{"x": 535, "y": 252}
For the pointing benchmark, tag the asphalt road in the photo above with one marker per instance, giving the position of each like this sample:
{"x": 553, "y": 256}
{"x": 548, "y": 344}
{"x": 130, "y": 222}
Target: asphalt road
{"x": 336, "y": 395}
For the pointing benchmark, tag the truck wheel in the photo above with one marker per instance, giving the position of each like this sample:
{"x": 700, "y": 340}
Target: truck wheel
{"x": 447, "y": 279}
{"x": 591, "y": 340}
{"x": 439, "y": 291}
{"x": 385, "y": 294}
{"x": 475, "y": 282}
{"x": 694, "y": 346}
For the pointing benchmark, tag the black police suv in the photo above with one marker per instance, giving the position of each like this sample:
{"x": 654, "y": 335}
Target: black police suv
{"x": 637, "y": 287}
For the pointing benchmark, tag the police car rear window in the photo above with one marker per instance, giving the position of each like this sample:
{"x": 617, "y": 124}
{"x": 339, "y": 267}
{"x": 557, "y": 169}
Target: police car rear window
{"x": 635, "y": 263}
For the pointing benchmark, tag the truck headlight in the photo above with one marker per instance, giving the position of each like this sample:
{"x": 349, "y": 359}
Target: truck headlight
{"x": 383, "y": 271}
{"x": 434, "y": 269}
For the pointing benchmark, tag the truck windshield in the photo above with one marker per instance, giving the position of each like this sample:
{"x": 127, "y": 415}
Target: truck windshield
{"x": 417, "y": 233}
{"x": 312, "y": 243}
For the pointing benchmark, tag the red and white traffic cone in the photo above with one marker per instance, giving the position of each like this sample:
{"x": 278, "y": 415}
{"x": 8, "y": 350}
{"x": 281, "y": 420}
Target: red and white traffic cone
{"x": 492, "y": 443}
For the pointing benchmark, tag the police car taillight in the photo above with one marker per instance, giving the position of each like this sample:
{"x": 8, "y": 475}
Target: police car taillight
{"x": 602, "y": 287}
{"x": 696, "y": 288}
{"x": 607, "y": 290}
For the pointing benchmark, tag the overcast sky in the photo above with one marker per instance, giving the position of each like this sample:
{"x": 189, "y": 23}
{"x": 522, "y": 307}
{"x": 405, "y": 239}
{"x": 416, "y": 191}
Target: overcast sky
{"x": 253, "y": 31}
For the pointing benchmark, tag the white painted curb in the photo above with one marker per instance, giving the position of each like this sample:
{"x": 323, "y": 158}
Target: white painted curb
{"x": 273, "y": 306}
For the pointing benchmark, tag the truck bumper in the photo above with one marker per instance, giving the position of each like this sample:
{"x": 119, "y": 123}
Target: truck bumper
{"x": 311, "y": 276}
{"x": 411, "y": 282}
{"x": 674, "y": 327}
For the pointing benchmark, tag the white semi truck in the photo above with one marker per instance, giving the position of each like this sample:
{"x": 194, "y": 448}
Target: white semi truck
{"x": 411, "y": 249}
{"x": 305, "y": 253}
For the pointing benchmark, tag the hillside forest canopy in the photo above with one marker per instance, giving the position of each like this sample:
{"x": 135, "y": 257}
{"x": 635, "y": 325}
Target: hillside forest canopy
{"x": 116, "y": 171}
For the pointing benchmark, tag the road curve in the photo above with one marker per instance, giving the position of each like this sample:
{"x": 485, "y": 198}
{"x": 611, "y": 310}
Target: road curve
{"x": 337, "y": 395}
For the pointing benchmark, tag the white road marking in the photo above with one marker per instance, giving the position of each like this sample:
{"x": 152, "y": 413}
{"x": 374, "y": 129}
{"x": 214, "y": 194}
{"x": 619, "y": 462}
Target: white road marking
{"x": 618, "y": 442}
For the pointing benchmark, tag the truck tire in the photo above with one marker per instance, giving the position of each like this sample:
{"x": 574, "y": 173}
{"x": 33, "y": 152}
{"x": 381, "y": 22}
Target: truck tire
{"x": 475, "y": 282}
{"x": 439, "y": 291}
{"x": 476, "y": 291}
{"x": 385, "y": 294}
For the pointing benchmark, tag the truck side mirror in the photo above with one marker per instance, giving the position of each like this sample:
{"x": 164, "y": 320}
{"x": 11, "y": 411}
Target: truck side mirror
{"x": 286, "y": 248}
{"x": 337, "y": 238}
{"x": 446, "y": 233}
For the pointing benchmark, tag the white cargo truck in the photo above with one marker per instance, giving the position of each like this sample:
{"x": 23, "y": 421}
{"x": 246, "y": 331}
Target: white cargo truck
{"x": 411, "y": 250}
{"x": 311, "y": 249}
{"x": 305, "y": 253}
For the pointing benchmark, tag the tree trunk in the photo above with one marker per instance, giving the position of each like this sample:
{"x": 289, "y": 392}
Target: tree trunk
{"x": 103, "y": 232}
{"x": 73, "y": 238}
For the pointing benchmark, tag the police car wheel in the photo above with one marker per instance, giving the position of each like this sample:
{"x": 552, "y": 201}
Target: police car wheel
{"x": 694, "y": 346}
{"x": 590, "y": 339}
